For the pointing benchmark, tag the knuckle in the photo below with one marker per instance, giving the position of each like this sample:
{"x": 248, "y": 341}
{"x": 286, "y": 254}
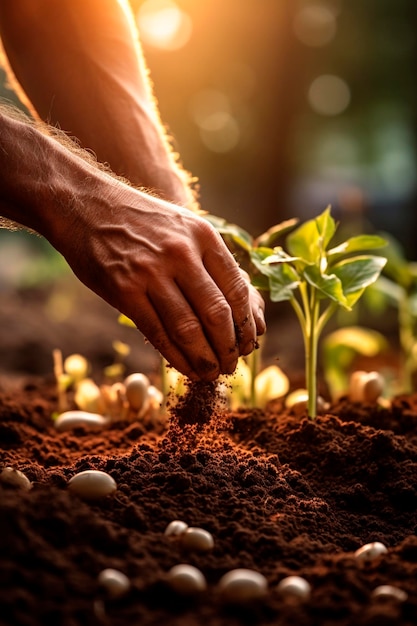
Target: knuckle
{"x": 186, "y": 330}
{"x": 218, "y": 312}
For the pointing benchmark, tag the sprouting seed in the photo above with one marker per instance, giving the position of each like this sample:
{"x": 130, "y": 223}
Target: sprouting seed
{"x": 197, "y": 539}
{"x": 115, "y": 583}
{"x": 76, "y": 366}
{"x": 175, "y": 528}
{"x": 239, "y": 586}
{"x": 186, "y": 579}
{"x": 137, "y": 386}
{"x": 16, "y": 478}
{"x": 74, "y": 419}
{"x": 295, "y": 587}
{"x": 92, "y": 484}
{"x": 370, "y": 551}
{"x": 390, "y": 592}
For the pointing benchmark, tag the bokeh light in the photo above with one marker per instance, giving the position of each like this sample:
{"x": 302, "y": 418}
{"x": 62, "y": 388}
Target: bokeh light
{"x": 315, "y": 25}
{"x": 329, "y": 95}
{"x": 163, "y": 24}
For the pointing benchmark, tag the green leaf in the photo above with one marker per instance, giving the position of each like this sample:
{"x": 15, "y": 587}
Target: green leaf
{"x": 329, "y": 285}
{"x": 359, "y": 243}
{"x": 126, "y": 321}
{"x": 282, "y": 283}
{"x": 266, "y": 240}
{"x": 310, "y": 240}
{"x": 279, "y": 256}
{"x": 359, "y": 272}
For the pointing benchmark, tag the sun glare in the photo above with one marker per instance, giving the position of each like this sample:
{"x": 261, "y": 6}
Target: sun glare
{"x": 162, "y": 24}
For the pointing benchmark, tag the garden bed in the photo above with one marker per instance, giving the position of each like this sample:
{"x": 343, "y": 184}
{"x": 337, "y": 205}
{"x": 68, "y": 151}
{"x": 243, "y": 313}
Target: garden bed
{"x": 280, "y": 494}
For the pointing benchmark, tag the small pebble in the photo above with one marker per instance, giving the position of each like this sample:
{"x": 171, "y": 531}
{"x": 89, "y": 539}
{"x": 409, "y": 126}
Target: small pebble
{"x": 115, "y": 583}
{"x": 186, "y": 579}
{"x": 11, "y": 476}
{"x": 242, "y": 585}
{"x": 76, "y": 419}
{"x": 390, "y": 592}
{"x": 92, "y": 484}
{"x": 197, "y": 540}
{"x": 176, "y": 528}
{"x": 370, "y": 551}
{"x": 296, "y": 587}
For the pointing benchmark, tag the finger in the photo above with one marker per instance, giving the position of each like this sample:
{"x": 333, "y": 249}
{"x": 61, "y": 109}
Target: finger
{"x": 227, "y": 275}
{"x": 183, "y": 329}
{"x": 150, "y": 325}
{"x": 258, "y": 310}
{"x": 214, "y": 313}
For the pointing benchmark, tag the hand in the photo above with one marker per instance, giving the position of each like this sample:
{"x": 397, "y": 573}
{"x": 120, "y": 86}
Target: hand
{"x": 171, "y": 273}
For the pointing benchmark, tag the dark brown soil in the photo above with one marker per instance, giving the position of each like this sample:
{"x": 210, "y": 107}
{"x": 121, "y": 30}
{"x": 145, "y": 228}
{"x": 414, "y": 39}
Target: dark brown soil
{"x": 280, "y": 494}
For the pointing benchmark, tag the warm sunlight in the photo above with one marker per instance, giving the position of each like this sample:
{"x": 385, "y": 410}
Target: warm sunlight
{"x": 163, "y": 24}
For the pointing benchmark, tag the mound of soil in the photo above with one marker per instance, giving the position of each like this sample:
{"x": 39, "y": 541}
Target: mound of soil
{"x": 280, "y": 493}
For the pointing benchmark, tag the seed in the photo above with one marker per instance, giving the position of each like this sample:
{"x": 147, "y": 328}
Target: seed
{"x": 92, "y": 484}
{"x": 242, "y": 585}
{"x": 370, "y": 551}
{"x": 115, "y": 583}
{"x": 390, "y": 592}
{"x": 74, "y": 419}
{"x": 373, "y": 387}
{"x": 298, "y": 400}
{"x": 197, "y": 540}
{"x": 176, "y": 528}
{"x": 295, "y": 587}
{"x": 137, "y": 386}
{"x": 16, "y": 478}
{"x": 186, "y": 579}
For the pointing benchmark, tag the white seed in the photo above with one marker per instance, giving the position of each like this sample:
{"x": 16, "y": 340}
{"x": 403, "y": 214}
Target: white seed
{"x": 242, "y": 585}
{"x": 390, "y": 592}
{"x": 88, "y": 396}
{"x": 15, "y": 477}
{"x": 176, "y": 528}
{"x": 295, "y": 587}
{"x": 136, "y": 390}
{"x": 373, "y": 387}
{"x": 74, "y": 419}
{"x": 92, "y": 484}
{"x": 186, "y": 579}
{"x": 365, "y": 386}
{"x": 197, "y": 540}
{"x": 115, "y": 583}
{"x": 370, "y": 551}
{"x": 298, "y": 400}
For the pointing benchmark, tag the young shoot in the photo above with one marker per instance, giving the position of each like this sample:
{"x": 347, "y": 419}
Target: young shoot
{"x": 313, "y": 276}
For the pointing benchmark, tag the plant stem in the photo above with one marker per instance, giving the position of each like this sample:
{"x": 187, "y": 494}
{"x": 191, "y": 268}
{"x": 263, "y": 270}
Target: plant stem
{"x": 311, "y": 354}
{"x": 407, "y": 343}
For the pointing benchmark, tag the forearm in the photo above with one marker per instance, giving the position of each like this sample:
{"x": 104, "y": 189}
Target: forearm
{"x": 87, "y": 74}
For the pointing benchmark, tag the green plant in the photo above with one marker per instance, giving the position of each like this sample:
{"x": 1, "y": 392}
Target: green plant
{"x": 398, "y": 288}
{"x": 313, "y": 277}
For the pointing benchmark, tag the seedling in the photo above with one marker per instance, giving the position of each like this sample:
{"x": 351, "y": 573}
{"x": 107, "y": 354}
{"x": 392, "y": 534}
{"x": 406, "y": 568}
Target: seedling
{"x": 313, "y": 277}
{"x": 398, "y": 287}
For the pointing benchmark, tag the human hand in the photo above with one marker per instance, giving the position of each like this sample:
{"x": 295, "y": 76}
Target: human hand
{"x": 171, "y": 273}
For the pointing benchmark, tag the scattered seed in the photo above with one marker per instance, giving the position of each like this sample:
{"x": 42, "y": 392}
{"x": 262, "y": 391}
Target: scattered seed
{"x": 295, "y": 587}
{"x": 298, "y": 400}
{"x": 115, "y": 583}
{"x": 186, "y": 579}
{"x": 16, "y": 478}
{"x": 370, "y": 551}
{"x": 176, "y": 528}
{"x": 76, "y": 419}
{"x": 197, "y": 540}
{"x": 242, "y": 585}
{"x": 92, "y": 484}
{"x": 365, "y": 386}
{"x": 390, "y": 592}
{"x": 137, "y": 386}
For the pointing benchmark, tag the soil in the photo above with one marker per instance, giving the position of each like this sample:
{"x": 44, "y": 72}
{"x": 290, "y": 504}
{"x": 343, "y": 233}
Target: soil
{"x": 280, "y": 493}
